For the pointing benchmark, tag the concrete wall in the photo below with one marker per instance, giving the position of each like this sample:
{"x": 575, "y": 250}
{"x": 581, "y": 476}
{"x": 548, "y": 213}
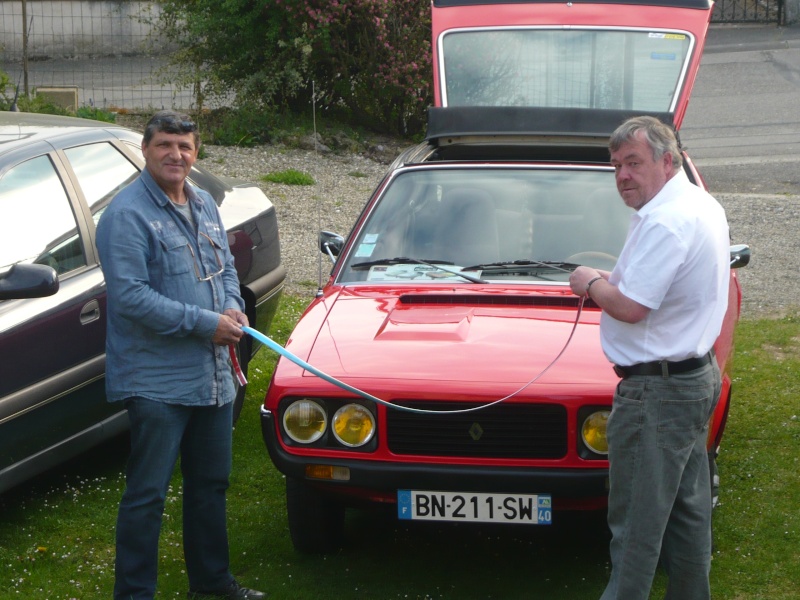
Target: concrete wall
{"x": 59, "y": 29}
{"x": 792, "y": 11}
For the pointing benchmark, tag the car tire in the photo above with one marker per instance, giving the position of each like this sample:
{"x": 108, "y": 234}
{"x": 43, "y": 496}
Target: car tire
{"x": 316, "y": 522}
{"x": 714, "y": 473}
{"x": 243, "y": 356}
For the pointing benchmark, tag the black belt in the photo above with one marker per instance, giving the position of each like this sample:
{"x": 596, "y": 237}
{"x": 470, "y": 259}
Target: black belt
{"x": 664, "y": 368}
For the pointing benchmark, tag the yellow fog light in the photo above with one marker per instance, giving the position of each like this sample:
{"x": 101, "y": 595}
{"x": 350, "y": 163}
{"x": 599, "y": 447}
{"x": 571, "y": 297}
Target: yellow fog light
{"x": 593, "y": 432}
{"x": 353, "y": 425}
{"x": 305, "y": 421}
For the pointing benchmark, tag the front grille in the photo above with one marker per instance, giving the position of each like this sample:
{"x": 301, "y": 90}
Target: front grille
{"x": 505, "y": 430}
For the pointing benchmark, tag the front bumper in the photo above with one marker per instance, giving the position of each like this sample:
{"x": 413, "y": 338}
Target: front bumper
{"x": 387, "y": 477}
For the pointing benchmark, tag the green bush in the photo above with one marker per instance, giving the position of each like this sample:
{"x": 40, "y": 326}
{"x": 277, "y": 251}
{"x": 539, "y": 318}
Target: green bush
{"x": 6, "y": 92}
{"x": 244, "y": 126}
{"x": 366, "y": 61}
{"x": 98, "y": 114}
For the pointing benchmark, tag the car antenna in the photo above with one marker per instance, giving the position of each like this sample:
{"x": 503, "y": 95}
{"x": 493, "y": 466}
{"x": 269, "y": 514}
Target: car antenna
{"x": 319, "y": 209}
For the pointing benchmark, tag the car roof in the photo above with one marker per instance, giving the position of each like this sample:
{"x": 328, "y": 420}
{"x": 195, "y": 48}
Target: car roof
{"x": 513, "y": 134}
{"x": 526, "y": 123}
{"x": 18, "y": 129}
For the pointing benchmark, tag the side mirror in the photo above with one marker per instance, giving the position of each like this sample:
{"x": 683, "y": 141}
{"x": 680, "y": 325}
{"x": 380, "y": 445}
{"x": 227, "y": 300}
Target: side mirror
{"x": 28, "y": 281}
{"x": 740, "y": 256}
{"x": 331, "y": 244}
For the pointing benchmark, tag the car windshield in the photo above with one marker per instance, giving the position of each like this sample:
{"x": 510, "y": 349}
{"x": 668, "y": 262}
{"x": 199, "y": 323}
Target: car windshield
{"x": 564, "y": 68}
{"x": 489, "y": 224}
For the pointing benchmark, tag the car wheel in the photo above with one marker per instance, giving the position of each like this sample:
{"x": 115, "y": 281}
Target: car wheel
{"x": 316, "y": 522}
{"x": 712, "y": 469}
{"x": 242, "y": 355}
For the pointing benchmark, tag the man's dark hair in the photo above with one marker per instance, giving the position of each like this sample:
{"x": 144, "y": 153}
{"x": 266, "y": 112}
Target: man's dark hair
{"x": 170, "y": 121}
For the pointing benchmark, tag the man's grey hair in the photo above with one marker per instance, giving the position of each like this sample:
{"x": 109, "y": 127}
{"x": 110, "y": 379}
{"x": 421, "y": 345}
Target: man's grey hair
{"x": 660, "y": 137}
{"x": 171, "y": 121}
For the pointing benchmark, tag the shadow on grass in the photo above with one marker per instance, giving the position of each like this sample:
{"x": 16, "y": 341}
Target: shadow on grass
{"x": 384, "y": 558}
{"x": 105, "y": 462}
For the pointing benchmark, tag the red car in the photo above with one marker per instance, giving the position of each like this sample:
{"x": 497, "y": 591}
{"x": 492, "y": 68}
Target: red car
{"x": 476, "y": 389}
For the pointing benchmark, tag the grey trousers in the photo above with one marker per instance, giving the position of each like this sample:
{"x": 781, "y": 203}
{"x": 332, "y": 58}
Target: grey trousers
{"x": 659, "y": 502}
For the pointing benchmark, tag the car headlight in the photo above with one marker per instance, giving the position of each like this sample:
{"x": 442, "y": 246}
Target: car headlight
{"x": 353, "y": 425}
{"x": 593, "y": 431}
{"x": 305, "y": 421}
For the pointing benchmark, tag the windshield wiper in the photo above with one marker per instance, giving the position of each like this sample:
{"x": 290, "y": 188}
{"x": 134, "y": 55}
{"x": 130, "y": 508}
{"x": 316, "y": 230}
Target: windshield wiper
{"x": 401, "y": 260}
{"x": 529, "y": 265}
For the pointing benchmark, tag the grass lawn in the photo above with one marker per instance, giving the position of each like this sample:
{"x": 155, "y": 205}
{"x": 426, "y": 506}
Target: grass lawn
{"x": 57, "y": 531}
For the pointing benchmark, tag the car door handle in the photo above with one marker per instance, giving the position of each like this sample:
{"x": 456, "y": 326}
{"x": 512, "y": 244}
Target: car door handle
{"x": 90, "y": 312}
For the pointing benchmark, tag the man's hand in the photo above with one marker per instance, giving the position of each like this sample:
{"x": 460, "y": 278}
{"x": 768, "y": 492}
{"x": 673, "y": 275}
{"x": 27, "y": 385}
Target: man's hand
{"x": 238, "y": 316}
{"x": 608, "y": 297}
{"x": 229, "y": 328}
{"x": 580, "y": 278}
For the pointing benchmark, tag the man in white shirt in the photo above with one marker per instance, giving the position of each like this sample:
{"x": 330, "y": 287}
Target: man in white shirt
{"x": 663, "y": 306}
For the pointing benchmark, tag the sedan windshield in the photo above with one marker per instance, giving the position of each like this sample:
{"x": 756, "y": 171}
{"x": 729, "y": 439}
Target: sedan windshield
{"x": 489, "y": 224}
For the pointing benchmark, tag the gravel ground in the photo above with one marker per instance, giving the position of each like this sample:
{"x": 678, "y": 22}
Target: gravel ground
{"x": 769, "y": 224}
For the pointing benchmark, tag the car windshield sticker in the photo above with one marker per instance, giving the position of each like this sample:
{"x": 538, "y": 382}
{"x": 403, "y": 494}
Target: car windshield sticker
{"x": 365, "y": 250}
{"x": 367, "y": 245}
{"x": 414, "y": 272}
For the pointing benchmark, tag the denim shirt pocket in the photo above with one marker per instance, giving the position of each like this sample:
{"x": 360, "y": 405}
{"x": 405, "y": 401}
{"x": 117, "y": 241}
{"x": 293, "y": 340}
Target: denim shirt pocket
{"x": 215, "y": 237}
{"x": 177, "y": 255}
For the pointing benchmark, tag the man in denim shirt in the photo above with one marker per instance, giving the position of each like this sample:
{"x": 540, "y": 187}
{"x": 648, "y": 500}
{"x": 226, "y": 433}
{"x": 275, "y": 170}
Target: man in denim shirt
{"x": 173, "y": 309}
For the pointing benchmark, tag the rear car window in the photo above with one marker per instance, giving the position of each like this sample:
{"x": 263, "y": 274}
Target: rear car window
{"x": 564, "y": 68}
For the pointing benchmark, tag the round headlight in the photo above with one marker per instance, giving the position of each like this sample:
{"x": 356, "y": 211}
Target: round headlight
{"x": 593, "y": 432}
{"x": 353, "y": 425}
{"x": 305, "y": 421}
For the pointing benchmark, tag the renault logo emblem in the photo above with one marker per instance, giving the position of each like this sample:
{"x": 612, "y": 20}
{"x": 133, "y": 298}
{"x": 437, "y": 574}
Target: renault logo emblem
{"x": 476, "y": 431}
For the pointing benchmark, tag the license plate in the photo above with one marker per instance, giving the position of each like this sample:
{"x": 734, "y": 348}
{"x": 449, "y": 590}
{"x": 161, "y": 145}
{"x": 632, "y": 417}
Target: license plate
{"x": 529, "y": 509}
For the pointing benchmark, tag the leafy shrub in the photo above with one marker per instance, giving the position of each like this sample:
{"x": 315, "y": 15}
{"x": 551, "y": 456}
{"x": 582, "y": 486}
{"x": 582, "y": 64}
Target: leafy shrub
{"x": 367, "y": 61}
{"x": 245, "y": 126}
{"x": 6, "y": 91}
{"x": 98, "y": 114}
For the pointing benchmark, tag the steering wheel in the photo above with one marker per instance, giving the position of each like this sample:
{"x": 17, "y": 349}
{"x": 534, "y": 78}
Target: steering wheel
{"x": 592, "y": 258}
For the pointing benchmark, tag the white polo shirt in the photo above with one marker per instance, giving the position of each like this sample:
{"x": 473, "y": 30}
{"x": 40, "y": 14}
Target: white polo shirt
{"x": 676, "y": 262}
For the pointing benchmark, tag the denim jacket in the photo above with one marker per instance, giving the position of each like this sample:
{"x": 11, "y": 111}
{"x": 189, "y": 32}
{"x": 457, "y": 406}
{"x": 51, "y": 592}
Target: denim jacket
{"x": 161, "y": 317}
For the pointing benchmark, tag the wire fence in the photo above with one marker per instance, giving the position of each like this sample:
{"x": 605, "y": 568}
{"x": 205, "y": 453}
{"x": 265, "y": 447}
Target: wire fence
{"x": 108, "y": 54}
{"x": 103, "y": 54}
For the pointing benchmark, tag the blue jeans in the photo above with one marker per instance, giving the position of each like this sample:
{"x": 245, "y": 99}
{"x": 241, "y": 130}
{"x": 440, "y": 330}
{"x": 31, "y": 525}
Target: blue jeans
{"x": 159, "y": 434}
{"x": 659, "y": 502}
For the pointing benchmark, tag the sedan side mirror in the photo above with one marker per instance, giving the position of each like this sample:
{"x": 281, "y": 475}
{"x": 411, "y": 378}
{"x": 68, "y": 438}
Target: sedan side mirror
{"x": 740, "y": 256}
{"x": 28, "y": 281}
{"x": 331, "y": 244}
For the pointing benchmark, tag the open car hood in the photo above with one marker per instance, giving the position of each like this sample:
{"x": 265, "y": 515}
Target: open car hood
{"x": 472, "y": 339}
{"x": 622, "y": 55}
